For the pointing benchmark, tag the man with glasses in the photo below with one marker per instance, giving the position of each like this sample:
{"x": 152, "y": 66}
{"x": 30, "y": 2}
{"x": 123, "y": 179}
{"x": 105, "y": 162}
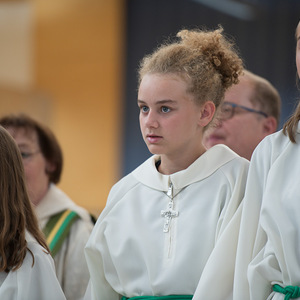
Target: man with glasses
{"x": 250, "y": 111}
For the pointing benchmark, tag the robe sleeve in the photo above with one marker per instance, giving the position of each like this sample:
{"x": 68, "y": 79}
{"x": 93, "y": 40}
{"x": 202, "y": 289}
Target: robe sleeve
{"x": 38, "y": 281}
{"x": 98, "y": 287}
{"x": 251, "y": 239}
{"x": 225, "y": 274}
{"x": 237, "y": 181}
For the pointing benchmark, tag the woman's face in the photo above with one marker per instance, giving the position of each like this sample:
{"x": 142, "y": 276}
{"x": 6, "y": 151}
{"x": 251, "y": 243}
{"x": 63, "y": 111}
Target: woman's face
{"x": 35, "y": 164}
{"x": 298, "y": 49}
{"x": 169, "y": 118}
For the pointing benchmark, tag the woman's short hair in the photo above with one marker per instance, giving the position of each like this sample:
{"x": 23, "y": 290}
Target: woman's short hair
{"x": 47, "y": 141}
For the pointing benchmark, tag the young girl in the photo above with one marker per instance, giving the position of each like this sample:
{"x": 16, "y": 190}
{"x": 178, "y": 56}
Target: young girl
{"x": 162, "y": 221}
{"x": 26, "y": 267}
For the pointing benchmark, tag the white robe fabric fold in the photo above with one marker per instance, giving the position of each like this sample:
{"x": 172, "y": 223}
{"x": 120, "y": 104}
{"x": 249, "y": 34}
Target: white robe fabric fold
{"x": 129, "y": 254}
{"x": 71, "y": 268}
{"x": 37, "y": 282}
{"x": 268, "y": 241}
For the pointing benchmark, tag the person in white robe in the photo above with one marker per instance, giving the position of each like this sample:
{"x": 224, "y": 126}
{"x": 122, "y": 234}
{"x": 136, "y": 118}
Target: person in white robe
{"x": 70, "y": 263}
{"x": 66, "y": 225}
{"x": 266, "y": 264}
{"x": 36, "y": 281}
{"x": 162, "y": 220}
{"x": 26, "y": 267}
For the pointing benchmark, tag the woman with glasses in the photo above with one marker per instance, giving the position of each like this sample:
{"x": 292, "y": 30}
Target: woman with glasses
{"x": 161, "y": 221}
{"x": 250, "y": 112}
{"x": 65, "y": 225}
{"x": 26, "y": 266}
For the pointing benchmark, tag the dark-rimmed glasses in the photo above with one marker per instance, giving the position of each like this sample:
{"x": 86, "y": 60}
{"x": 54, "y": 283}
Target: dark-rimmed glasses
{"x": 228, "y": 109}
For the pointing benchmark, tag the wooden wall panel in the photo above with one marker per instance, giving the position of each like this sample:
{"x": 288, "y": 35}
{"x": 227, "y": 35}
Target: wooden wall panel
{"x": 79, "y": 64}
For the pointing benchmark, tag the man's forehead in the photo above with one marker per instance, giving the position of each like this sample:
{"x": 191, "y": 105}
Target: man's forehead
{"x": 240, "y": 94}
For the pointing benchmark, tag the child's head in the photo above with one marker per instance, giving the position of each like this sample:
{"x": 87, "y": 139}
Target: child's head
{"x": 16, "y": 212}
{"x": 206, "y": 60}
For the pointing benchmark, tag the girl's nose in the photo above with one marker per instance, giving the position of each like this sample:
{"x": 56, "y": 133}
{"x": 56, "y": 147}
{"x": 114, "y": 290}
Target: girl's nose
{"x": 151, "y": 120}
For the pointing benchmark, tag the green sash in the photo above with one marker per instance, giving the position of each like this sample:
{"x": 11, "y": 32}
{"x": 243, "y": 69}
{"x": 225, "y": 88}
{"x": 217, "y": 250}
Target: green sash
{"x": 290, "y": 291}
{"x": 169, "y": 297}
{"x": 57, "y": 229}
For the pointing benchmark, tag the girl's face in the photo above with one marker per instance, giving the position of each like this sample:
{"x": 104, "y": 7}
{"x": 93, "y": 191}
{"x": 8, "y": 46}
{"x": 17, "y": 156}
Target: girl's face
{"x": 171, "y": 122}
{"x": 298, "y": 49}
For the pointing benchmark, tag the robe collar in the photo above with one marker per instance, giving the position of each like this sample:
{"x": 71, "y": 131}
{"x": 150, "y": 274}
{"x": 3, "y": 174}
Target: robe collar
{"x": 201, "y": 168}
{"x": 56, "y": 201}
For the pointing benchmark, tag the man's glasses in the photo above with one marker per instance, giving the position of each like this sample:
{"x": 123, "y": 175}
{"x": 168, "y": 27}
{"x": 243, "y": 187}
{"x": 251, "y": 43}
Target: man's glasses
{"x": 228, "y": 109}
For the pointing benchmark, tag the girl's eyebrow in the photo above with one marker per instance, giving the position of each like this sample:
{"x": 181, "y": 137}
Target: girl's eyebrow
{"x": 159, "y": 102}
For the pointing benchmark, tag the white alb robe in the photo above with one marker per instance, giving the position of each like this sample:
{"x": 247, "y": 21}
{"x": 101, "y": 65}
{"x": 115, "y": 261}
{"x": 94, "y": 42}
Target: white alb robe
{"x": 37, "y": 282}
{"x": 270, "y": 227}
{"x": 70, "y": 264}
{"x": 129, "y": 254}
{"x": 269, "y": 236}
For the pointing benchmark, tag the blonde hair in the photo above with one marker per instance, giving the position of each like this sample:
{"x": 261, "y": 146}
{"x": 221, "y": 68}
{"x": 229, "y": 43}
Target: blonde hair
{"x": 16, "y": 212}
{"x": 205, "y": 59}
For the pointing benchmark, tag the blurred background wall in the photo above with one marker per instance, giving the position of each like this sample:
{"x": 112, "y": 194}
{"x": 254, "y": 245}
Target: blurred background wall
{"x": 61, "y": 61}
{"x": 72, "y": 65}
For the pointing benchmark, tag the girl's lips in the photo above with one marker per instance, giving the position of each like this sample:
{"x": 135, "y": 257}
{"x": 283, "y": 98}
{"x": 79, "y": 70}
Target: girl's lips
{"x": 153, "y": 138}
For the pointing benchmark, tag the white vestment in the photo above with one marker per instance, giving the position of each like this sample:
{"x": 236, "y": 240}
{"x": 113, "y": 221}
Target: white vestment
{"x": 269, "y": 242}
{"x": 70, "y": 264}
{"x": 269, "y": 237}
{"x": 37, "y": 282}
{"x": 129, "y": 254}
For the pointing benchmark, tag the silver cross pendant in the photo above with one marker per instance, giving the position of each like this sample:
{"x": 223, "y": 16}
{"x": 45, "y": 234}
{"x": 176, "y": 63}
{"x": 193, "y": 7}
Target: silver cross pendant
{"x": 170, "y": 212}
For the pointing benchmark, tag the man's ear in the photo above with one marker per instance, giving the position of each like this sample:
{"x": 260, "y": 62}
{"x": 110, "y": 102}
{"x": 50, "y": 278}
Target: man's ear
{"x": 207, "y": 113}
{"x": 269, "y": 125}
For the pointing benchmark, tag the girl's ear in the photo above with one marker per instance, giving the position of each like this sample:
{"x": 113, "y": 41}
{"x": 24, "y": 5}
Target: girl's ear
{"x": 207, "y": 112}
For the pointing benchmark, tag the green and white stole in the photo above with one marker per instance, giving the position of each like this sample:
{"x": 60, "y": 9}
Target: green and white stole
{"x": 58, "y": 228}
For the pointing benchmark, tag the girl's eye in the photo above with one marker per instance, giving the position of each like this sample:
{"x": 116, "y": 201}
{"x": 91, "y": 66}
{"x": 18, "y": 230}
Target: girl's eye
{"x": 144, "y": 108}
{"x": 165, "y": 109}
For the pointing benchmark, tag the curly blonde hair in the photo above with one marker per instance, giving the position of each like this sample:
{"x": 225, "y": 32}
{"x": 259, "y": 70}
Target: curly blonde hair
{"x": 205, "y": 59}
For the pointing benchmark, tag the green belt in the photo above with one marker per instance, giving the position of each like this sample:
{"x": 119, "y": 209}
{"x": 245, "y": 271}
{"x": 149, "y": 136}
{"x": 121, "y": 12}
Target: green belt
{"x": 169, "y": 297}
{"x": 290, "y": 291}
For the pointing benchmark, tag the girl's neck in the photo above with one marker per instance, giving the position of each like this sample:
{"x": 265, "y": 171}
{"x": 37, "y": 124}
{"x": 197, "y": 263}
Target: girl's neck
{"x": 169, "y": 166}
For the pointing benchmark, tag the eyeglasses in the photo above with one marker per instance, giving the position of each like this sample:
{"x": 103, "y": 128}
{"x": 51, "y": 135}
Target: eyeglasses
{"x": 228, "y": 109}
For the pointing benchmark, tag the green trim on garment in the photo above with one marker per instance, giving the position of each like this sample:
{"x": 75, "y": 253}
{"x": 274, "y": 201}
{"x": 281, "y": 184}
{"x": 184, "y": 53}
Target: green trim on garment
{"x": 58, "y": 228}
{"x": 290, "y": 291}
{"x": 169, "y": 297}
